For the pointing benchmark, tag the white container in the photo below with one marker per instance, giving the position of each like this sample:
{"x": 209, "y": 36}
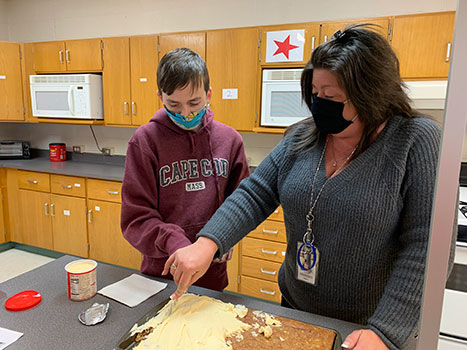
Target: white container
{"x": 81, "y": 279}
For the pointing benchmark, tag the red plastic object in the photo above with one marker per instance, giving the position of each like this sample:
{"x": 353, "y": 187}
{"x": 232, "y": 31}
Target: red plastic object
{"x": 23, "y": 300}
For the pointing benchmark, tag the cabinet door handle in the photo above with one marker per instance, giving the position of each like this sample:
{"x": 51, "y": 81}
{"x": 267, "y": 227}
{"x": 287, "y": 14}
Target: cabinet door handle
{"x": 268, "y": 272}
{"x": 268, "y": 251}
{"x": 60, "y": 56}
{"x": 271, "y": 232}
{"x": 46, "y": 209}
{"x": 67, "y": 56}
{"x": 125, "y": 108}
{"x": 67, "y": 186}
{"x": 267, "y": 292}
{"x": 112, "y": 192}
{"x": 52, "y": 212}
{"x": 325, "y": 38}
{"x": 448, "y": 52}
{"x": 33, "y": 181}
{"x": 133, "y": 108}
{"x": 312, "y": 48}
{"x": 90, "y": 216}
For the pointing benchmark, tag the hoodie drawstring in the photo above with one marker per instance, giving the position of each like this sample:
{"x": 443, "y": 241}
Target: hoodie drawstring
{"x": 218, "y": 190}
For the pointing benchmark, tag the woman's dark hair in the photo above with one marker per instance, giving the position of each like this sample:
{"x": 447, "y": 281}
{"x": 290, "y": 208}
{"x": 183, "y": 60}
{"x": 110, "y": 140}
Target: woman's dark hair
{"x": 180, "y": 67}
{"x": 367, "y": 69}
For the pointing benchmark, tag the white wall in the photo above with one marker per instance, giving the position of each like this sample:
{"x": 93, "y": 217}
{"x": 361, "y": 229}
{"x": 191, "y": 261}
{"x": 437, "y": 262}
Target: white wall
{"x": 3, "y": 20}
{"x": 40, "y": 20}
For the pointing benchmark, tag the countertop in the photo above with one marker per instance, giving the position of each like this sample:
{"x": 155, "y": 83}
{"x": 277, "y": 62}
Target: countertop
{"x": 87, "y": 165}
{"x": 53, "y": 324}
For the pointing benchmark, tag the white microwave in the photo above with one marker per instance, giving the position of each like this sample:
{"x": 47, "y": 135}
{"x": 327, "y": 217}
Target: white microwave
{"x": 76, "y": 96}
{"x": 281, "y": 98}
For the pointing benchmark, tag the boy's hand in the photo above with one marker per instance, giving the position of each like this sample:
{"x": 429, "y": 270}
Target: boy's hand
{"x": 188, "y": 264}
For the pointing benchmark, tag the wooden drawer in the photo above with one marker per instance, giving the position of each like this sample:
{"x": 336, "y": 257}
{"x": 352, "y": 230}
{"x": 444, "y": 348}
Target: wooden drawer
{"x": 277, "y": 215}
{"x": 68, "y": 185}
{"x": 258, "y": 288}
{"x": 30, "y": 180}
{"x": 104, "y": 190}
{"x": 266, "y": 270}
{"x": 262, "y": 249}
{"x": 270, "y": 230}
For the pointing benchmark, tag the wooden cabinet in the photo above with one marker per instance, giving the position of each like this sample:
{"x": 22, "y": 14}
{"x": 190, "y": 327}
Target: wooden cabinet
{"x": 263, "y": 251}
{"x": 311, "y": 38}
{"x": 82, "y": 55}
{"x": 11, "y": 87}
{"x": 233, "y": 270}
{"x": 129, "y": 79}
{"x": 423, "y": 44}
{"x": 381, "y": 26}
{"x": 193, "y": 41}
{"x": 106, "y": 240}
{"x": 53, "y": 211}
{"x": 2, "y": 215}
{"x": 232, "y": 57}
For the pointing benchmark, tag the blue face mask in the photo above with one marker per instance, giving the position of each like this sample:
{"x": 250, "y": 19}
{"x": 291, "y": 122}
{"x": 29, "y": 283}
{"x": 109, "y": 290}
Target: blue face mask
{"x": 188, "y": 122}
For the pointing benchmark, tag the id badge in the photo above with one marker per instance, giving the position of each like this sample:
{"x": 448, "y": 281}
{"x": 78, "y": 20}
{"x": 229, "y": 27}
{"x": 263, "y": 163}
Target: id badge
{"x": 306, "y": 259}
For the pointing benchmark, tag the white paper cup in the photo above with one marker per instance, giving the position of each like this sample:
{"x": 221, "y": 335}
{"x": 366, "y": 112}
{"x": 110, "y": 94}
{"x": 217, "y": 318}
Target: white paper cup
{"x": 81, "y": 279}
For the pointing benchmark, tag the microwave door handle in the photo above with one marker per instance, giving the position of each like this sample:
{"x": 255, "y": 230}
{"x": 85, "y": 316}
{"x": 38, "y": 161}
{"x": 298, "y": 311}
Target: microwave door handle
{"x": 71, "y": 103}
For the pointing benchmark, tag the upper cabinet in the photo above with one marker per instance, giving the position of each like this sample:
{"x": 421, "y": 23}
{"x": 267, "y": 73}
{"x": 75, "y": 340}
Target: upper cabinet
{"x": 193, "y": 41}
{"x": 288, "y": 44}
{"x": 11, "y": 87}
{"x": 82, "y": 55}
{"x": 423, "y": 44}
{"x": 129, "y": 79}
{"x": 380, "y": 25}
{"x": 232, "y": 60}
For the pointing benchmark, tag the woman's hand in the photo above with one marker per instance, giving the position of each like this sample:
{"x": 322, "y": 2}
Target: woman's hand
{"x": 188, "y": 264}
{"x": 364, "y": 339}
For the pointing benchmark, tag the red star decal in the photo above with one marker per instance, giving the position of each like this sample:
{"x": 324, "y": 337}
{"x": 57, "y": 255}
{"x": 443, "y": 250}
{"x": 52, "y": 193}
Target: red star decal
{"x": 284, "y": 47}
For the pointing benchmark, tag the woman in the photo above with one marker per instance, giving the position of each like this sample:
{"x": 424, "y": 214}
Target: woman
{"x": 356, "y": 185}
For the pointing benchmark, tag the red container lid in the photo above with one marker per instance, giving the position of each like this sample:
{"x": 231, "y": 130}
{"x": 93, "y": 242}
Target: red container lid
{"x": 23, "y": 300}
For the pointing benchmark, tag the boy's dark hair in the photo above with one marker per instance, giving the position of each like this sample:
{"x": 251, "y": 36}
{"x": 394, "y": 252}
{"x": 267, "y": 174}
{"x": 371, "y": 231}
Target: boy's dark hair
{"x": 180, "y": 67}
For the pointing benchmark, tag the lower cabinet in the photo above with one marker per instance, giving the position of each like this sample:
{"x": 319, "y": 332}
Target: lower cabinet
{"x": 50, "y": 220}
{"x": 262, "y": 253}
{"x": 106, "y": 241}
{"x": 2, "y": 220}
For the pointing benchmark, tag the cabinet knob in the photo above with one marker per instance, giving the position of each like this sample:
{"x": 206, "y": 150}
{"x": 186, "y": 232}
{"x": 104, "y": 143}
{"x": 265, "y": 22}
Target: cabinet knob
{"x": 267, "y": 292}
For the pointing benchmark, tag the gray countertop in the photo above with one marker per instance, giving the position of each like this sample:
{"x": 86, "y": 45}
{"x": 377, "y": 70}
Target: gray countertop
{"x": 93, "y": 166}
{"x": 53, "y": 324}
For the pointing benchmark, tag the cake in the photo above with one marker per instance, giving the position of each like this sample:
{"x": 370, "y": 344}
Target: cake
{"x": 195, "y": 322}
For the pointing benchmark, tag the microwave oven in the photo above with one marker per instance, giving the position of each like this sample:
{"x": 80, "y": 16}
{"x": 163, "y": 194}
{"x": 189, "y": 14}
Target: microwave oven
{"x": 76, "y": 96}
{"x": 281, "y": 98}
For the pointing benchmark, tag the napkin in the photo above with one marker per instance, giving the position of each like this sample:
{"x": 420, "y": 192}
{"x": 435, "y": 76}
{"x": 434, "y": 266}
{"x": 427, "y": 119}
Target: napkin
{"x": 8, "y": 337}
{"x": 132, "y": 290}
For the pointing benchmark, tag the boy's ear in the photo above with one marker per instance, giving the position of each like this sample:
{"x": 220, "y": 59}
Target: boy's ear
{"x": 158, "y": 93}
{"x": 208, "y": 97}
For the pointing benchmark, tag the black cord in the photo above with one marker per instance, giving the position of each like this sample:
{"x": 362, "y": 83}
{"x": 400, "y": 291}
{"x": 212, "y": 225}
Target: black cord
{"x": 95, "y": 139}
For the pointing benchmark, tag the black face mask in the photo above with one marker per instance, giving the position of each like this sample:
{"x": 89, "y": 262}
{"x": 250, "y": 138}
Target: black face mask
{"x": 327, "y": 115}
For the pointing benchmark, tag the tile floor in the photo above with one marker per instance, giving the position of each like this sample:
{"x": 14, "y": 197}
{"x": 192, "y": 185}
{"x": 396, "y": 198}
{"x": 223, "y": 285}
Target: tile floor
{"x": 14, "y": 262}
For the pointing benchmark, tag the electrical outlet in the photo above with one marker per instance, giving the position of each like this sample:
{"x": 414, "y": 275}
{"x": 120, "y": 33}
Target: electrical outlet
{"x": 78, "y": 149}
{"x": 108, "y": 151}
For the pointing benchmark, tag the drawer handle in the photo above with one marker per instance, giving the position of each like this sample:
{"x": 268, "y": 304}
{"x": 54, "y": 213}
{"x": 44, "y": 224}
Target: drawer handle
{"x": 268, "y": 272}
{"x": 112, "y": 192}
{"x": 271, "y": 232}
{"x": 67, "y": 186}
{"x": 267, "y": 292}
{"x": 268, "y": 251}
{"x": 33, "y": 181}
{"x": 276, "y": 211}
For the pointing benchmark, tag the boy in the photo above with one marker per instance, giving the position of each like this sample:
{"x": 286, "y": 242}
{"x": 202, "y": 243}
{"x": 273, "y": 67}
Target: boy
{"x": 179, "y": 168}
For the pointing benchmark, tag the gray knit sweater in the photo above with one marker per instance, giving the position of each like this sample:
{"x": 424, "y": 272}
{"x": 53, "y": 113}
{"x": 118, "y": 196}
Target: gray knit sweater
{"x": 372, "y": 224}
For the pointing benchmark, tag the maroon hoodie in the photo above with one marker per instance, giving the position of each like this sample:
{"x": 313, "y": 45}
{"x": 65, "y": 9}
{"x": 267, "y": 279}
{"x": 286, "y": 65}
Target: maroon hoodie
{"x": 174, "y": 181}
